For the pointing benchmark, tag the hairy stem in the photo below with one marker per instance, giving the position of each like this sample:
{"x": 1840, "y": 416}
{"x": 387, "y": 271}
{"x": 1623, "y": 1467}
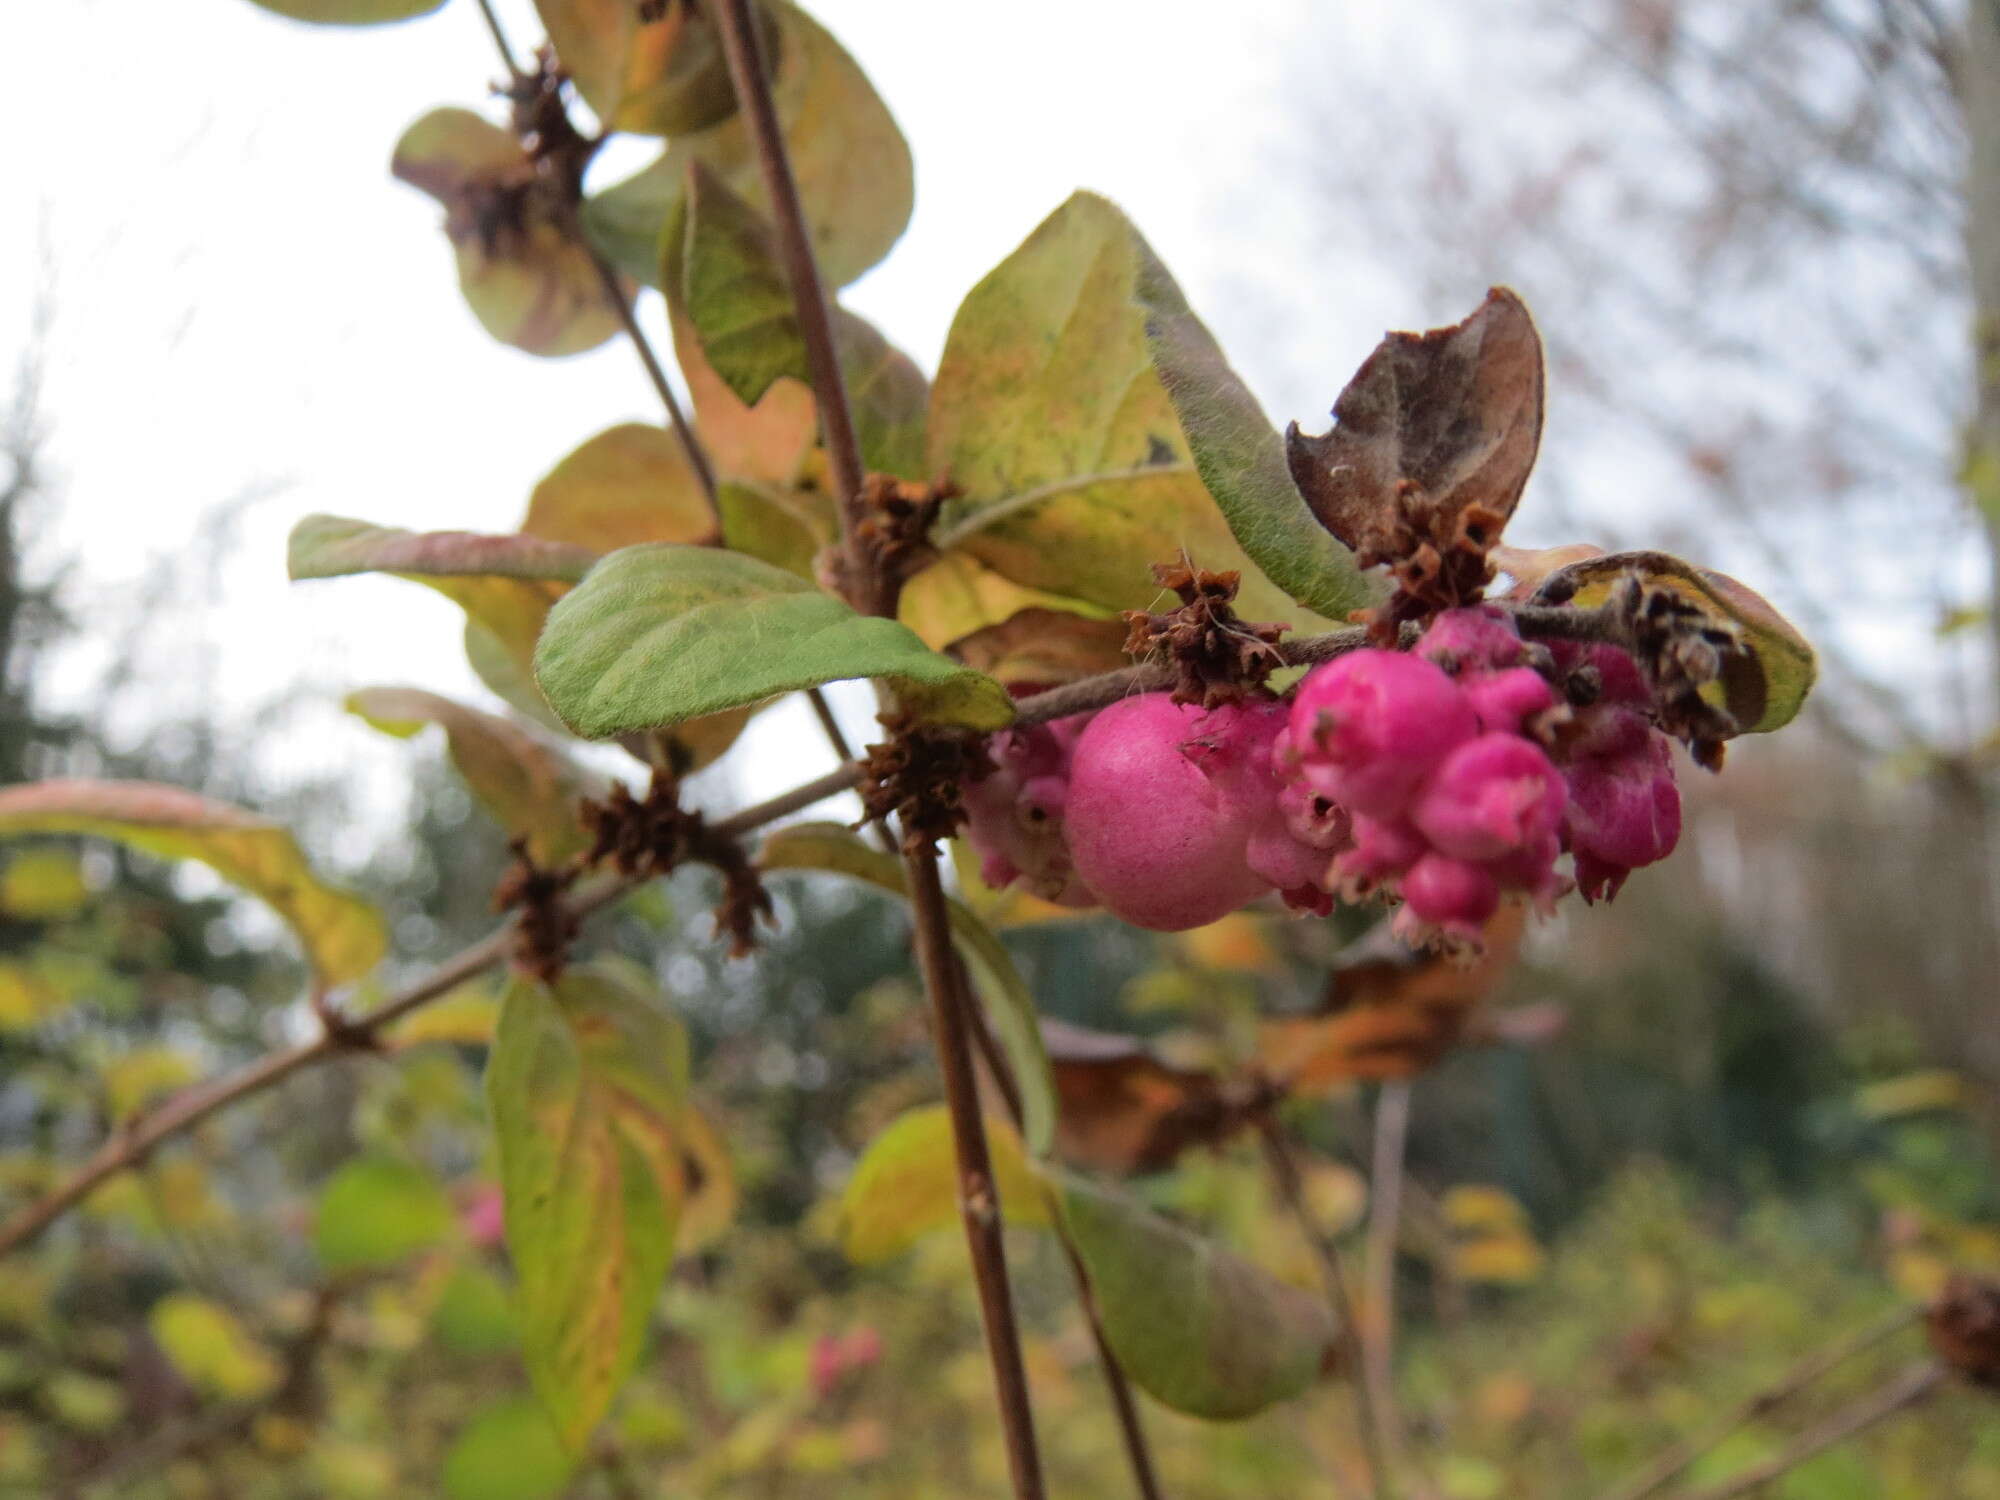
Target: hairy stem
{"x": 1676, "y": 1460}
{"x": 978, "y": 1193}
{"x": 1333, "y": 1274}
{"x": 1913, "y": 1385}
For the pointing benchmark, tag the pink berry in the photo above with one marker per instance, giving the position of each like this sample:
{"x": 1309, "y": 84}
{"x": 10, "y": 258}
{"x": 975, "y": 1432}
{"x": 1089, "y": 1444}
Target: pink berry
{"x": 1368, "y": 727}
{"x": 1155, "y": 816}
{"x": 1493, "y": 795}
{"x": 1624, "y": 811}
{"x": 1507, "y": 700}
{"x": 1014, "y": 815}
{"x": 1453, "y": 894}
{"x": 1383, "y": 849}
{"x": 1479, "y": 638}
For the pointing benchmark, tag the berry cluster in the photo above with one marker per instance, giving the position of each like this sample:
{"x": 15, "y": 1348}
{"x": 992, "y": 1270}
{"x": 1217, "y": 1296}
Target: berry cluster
{"x": 1450, "y": 776}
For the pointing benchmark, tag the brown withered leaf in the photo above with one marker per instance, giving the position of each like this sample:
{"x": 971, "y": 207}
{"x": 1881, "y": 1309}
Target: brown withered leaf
{"x": 1964, "y": 1328}
{"x": 1034, "y": 649}
{"x": 1123, "y": 1108}
{"x": 1456, "y": 412}
{"x": 1390, "y": 1011}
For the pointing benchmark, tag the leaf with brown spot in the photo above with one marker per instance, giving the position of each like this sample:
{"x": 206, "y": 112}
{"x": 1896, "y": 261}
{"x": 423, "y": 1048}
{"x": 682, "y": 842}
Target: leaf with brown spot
{"x": 1456, "y": 411}
{"x": 957, "y": 597}
{"x": 343, "y": 936}
{"x": 587, "y": 1084}
{"x": 1394, "y": 1011}
{"x": 651, "y": 70}
{"x": 525, "y": 271}
{"x": 1123, "y": 1108}
{"x": 1040, "y": 648}
{"x": 1764, "y": 685}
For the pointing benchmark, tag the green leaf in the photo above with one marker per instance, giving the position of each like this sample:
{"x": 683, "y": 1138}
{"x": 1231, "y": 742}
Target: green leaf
{"x": 377, "y": 1210}
{"x": 781, "y": 526}
{"x": 658, "y": 634}
{"x": 343, "y": 936}
{"x": 210, "y": 1348}
{"x": 727, "y": 280}
{"x": 1010, "y": 1005}
{"x": 1047, "y": 411}
{"x": 529, "y": 786}
{"x": 1239, "y": 455}
{"x": 1764, "y": 685}
{"x": 509, "y": 1451}
{"x": 1197, "y": 1327}
{"x": 851, "y": 163}
{"x": 475, "y": 1316}
{"x": 631, "y": 483}
{"x": 587, "y": 1081}
{"x": 351, "y": 12}
{"x": 662, "y": 76}
{"x": 43, "y": 885}
{"x": 906, "y": 1185}
{"x": 524, "y": 272}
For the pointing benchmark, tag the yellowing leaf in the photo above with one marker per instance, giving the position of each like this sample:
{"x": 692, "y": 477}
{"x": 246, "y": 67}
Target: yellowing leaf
{"x": 906, "y": 1185}
{"x": 343, "y": 936}
{"x": 26, "y": 999}
{"x": 350, "y": 12}
{"x": 135, "y": 1079}
{"x": 43, "y": 885}
{"x": 1912, "y": 1093}
{"x": 527, "y": 278}
{"x": 587, "y": 1085}
{"x": 465, "y": 1017}
{"x": 529, "y": 786}
{"x": 657, "y": 70}
{"x": 631, "y": 483}
{"x": 211, "y": 1349}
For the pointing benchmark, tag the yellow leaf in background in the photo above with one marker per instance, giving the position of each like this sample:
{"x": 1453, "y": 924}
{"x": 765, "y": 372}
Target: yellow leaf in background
{"x": 1918, "y": 1274}
{"x": 465, "y": 1017}
{"x": 906, "y": 1185}
{"x": 1504, "y": 1399}
{"x": 1498, "y": 1260}
{"x": 206, "y": 1344}
{"x": 1475, "y": 1207}
{"x": 139, "y": 1077}
{"x": 1337, "y": 1195}
{"x": 25, "y": 1001}
{"x": 1238, "y": 941}
{"x": 43, "y": 885}
{"x": 1912, "y": 1093}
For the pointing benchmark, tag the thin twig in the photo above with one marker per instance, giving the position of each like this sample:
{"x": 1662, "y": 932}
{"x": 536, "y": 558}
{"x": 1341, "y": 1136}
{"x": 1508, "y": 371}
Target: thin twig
{"x": 1385, "y": 1216}
{"x": 978, "y": 1192}
{"x": 697, "y": 455}
{"x": 1093, "y": 693}
{"x": 1676, "y": 1460}
{"x": 1906, "y": 1390}
{"x": 1333, "y": 1273}
{"x": 744, "y": 51}
{"x": 181, "y": 1112}
{"x": 500, "y": 39}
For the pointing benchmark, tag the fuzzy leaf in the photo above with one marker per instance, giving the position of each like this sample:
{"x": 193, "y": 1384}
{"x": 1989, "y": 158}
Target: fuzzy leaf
{"x": 663, "y": 76}
{"x": 525, "y": 276}
{"x": 529, "y": 786}
{"x": 1047, "y": 411}
{"x": 1196, "y": 1326}
{"x": 1239, "y": 455}
{"x": 657, "y": 635}
{"x": 906, "y": 1185}
{"x": 343, "y": 936}
{"x": 1763, "y": 686}
{"x": 630, "y": 483}
{"x": 350, "y": 12}
{"x": 1010, "y": 1005}
{"x": 727, "y": 281}
{"x": 334, "y": 547}
{"x": 851, "y": 162}
{"x": 1456, "y": 411}
{"x": 587, "y": 1084}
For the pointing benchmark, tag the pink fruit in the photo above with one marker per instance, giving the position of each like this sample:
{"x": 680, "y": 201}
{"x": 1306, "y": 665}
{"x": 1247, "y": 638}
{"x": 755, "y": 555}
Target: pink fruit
{"x": 1624, "y": 811}
{"x": 1161, "y": 807}
{"x": 1453, "y": 894}
{"x": 1014, "y": 815}
{"x": 1494, "y": 795}
{"x": 1368, "y": 727}
{"x": 1478, "y": 638}
{"x": 1383, "y": 849}
{"x": 1507, "y": 700}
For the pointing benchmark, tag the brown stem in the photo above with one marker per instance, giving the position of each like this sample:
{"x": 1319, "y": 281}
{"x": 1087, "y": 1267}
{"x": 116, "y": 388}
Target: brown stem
{"x": 1385, "y": 1217}
{"x": 1093, "y": 693}
{"x": 500, "y": 39}
{"x": 1138, "y": 1452}
{"x": 978, "y": 1192}
{"x": 748, "y": 73}
{"x": 697, "y": 456}
{"x": 1333, "y": 1274}
{"x": 181, "y": 1112}
{"x": 1676, "y": 1460}
{"x": 1906, "y": 1390}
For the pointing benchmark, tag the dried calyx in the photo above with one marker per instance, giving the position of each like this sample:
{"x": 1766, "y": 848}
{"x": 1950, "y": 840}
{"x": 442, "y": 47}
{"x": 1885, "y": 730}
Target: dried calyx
{"x": 919, "y": 774}
{"x": 647, "y": 837}
{"x": 1216, "y": 658}
{"x": 889, "y": 542}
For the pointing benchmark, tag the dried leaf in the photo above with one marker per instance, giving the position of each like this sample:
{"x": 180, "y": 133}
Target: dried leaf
{"x": 1456, "y": 411}
{"x": 1123, "y": 1108}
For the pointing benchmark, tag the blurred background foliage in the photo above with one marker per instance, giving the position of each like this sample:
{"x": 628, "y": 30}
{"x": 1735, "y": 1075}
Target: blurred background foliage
{"x": 1757, "y": 1104}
